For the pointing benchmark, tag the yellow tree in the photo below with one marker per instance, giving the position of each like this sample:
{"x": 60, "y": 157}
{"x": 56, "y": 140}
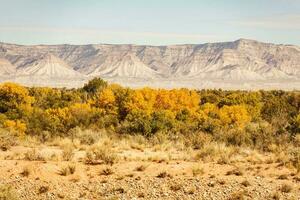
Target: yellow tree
{"x": 15, "y": 101}
{"x": 236, "y": 115}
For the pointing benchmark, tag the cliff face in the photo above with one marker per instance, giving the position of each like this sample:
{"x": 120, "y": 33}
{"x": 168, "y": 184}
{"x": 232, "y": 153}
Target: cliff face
{"x": 238, "y": 61}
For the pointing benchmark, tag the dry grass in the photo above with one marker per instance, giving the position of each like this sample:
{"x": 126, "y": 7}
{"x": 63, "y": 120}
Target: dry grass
{"x": 141, "y": 168}
{"x": 237, "y": 172}
{"x": 107, "y": 171}
{"x": 67, "y": 152}
{"x": 283, "y": 177}
{"x": 164, "y": 174}
{"x": 43, "y": 189}
{"x": 197, "y": 170}
{"x": 25, "y": 172}
{"x": 67, "y": 170}
{"x": 33, "y": 155}
{"x": 175, "y": 187}
{"x": 246, "y": 183}
{"x": 7, "y": 140}
{"x": 286, "y": 188}
{"x": 101, "y": 153}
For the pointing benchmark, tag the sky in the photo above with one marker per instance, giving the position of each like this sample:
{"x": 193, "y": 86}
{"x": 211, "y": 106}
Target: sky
{"x": 151, "y": 22}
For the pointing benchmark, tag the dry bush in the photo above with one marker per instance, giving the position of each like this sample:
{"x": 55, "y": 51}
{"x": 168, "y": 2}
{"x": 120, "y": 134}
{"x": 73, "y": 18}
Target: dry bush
{"x": 164, "y": 174}
{"x": 197, "y": 140}
{"x": 26, "y": 171}
{"x": 275, "y": 196}
{"x": 33, "y": 155}
{"x": 141, "y": 168}
{"x": 283, "y": 177}
{"x": 67, "y": 170}
{"x": 197, "y": 170}
{"x": 7, "y": 140}
{"x": 246, "y": 183}
{"x": 107, "y": 171}
{"x": 7, "y": 193}
{"x": 237, "y": 172}
{"x": 159, "y": 158}
{"x": 89, "y": 137}
{"x": 141, "y": 195}
{"x": 119, "y": 190}
{"x": 286, "y": 188}
{"x": 175, "y": 187}
{"x": 101, "y": 153}
{"x": 67, "y": 152}
{"x": 43, "y": 189}
{"x": 216, "y": 151}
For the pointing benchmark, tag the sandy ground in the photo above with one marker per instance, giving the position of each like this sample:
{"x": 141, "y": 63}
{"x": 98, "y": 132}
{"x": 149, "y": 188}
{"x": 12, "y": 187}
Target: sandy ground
{"x": 157, "y": 179}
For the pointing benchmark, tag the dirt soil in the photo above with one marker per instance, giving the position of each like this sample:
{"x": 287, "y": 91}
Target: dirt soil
{"x": 144, "y": 178}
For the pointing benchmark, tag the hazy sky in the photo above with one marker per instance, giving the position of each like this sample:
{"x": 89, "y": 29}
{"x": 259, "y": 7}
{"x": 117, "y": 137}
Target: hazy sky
{"x": 156, "y": 22}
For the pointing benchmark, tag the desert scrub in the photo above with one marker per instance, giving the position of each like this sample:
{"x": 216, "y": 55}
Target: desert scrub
{"x": 141, "y": 168}
{"x": 216, "y": 151}
{"x": 107, "y": 171}
{"x": 164, "y": 174}
{"x": 33, "y": 155}
{"x": 88, "y": 137}
{"x": 197, "y": 170}
{"x": 286, "y": 188}
{"x": 26, "y": 171}
{"x": 67, "y": 152}
{"x": 101, "y": 153}
{"x": 7, "y": 193}
{"x": 197, "y": 140}
{"x": 67, "y": 170}
{"x": 7, "y": 140}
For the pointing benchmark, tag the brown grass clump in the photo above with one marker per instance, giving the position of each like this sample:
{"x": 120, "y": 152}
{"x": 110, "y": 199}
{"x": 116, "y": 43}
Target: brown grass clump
{"x": 283, "y": 177}
{"x": 286, "y": 188}
{"x": 141, "y": 168}
{"x": 246, "y": 183}
{"x": 164, "y": 174}
{"x": 141, "y": 195}
{"x": 26, "y": 172}
{"x": 33, "y": 155}
{"x": 98, "y": 154}
{"x": 198, "y": 140}
{"x": 7, "y": 140}
{"x": 107, "y": 171}
{"x": 43, "y": 189}
{"x": 175, "y": 187}
{"x": 67, "y": 170}
{"x": 196, "y": 170}
{"x": 67, "y": 153}
{"x": 275, "y": 196}
{"x": 236, "y": 172}
{"x": 7, "y": 193}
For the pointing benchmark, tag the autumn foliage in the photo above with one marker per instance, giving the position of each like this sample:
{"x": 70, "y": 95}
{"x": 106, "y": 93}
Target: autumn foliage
{"x": 148, "y": 111}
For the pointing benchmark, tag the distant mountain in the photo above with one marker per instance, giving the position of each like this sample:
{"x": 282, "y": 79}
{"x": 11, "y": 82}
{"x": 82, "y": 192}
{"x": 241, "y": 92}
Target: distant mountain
{"x": 47, "y": 66}
{"x": 242, "y": 64}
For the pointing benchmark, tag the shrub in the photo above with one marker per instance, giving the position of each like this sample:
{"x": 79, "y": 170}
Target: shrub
{"x": 141, "y": 168}
{"x": 164, "y": 174}
{"x": 67, "y": 153}
{"x": 67, "y": 170}
{"x": 7, "y": 140}
{"x": 33, "y": 155}
{"x": 286, "y": 188}
{"x": 101, "y": 152}
{"x": 106, "y": 171}
{"x": 196, "y": 170}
